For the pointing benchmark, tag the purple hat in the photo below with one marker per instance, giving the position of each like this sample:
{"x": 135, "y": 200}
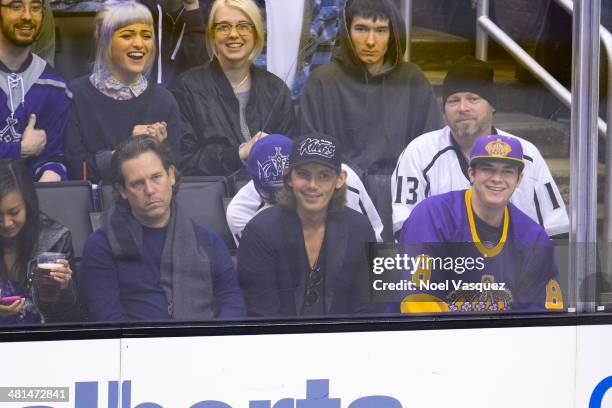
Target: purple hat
{"x": 497, "y": 148}
{"x": 316, "y": 148}
{"x": 268, "y": 158}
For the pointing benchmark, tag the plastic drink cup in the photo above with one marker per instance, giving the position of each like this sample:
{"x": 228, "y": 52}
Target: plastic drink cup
{"x": 48, "y": 288}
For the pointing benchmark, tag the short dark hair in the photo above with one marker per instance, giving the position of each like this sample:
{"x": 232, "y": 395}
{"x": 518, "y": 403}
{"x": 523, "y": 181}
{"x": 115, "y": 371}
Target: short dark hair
{"x": 14, "y": 176}
{"x": 133, "y": 147}
{"x": 374, "y": 9}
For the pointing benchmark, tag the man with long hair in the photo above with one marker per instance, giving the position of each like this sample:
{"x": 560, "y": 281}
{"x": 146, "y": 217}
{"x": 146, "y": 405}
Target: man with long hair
{"x": 306, "y": 255}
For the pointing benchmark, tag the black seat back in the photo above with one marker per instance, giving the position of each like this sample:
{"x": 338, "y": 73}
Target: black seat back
{"x": 105, "y": 196}
{"x": 200, "y": 197}
{"x": 68, "y": 202}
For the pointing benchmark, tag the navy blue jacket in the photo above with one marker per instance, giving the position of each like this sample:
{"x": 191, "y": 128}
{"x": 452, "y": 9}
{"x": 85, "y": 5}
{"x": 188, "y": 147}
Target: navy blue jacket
{"x": 273, "y": 268}
{"x": 115, "y": 290}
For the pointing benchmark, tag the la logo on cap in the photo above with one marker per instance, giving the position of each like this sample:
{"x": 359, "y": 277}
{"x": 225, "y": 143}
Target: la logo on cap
{"x": 498, "y": 148}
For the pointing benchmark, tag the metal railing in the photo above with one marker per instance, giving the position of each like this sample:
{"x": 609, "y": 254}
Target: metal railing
{"x": 585, "y": 123}
{"x": 406, "y": 8}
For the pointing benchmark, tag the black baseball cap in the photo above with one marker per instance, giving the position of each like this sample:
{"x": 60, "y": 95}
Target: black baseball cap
{"x": 316, "y": 148}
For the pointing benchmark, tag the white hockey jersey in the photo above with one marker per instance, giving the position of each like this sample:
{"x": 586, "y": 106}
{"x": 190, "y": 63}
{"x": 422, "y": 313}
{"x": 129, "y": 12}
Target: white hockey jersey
{"x": 433, "y": 164}
{"x": 247, "y": 201}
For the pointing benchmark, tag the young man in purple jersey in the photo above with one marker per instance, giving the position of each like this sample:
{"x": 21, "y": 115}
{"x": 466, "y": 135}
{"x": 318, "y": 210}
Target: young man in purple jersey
{"x": 478, "y": 252}
{"x": 437, "y": 162}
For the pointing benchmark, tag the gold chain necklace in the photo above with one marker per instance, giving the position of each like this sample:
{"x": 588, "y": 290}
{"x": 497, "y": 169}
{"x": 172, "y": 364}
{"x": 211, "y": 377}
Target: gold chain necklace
{"x": 234, "y": 87}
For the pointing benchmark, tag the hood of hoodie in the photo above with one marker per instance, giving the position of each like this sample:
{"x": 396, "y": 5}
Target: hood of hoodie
{"x": 347, "y": 56}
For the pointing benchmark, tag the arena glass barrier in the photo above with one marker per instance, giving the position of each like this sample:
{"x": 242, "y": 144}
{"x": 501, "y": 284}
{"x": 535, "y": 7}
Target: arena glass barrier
{"x": 378, "y": 359}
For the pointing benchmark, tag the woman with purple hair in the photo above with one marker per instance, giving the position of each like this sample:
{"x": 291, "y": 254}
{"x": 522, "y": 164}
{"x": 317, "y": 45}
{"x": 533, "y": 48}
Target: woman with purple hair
{"x": 117, "y": 100}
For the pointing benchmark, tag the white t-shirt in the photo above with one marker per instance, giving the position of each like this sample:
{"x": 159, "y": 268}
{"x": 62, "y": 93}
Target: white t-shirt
{"x": 284, "y": 29}
{"x": 431, "y": 165}
{"x": 247, "y": 200}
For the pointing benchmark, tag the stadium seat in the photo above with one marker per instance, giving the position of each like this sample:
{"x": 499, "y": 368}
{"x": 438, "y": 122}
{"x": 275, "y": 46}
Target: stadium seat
{"x": 105, "y": 196}
{"x": 68, "y": 202}
{"x": 200, "y": 197}
{"x": 236, "y": 182}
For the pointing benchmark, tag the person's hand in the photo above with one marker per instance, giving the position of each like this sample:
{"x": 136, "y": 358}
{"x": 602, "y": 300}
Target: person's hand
{"x": 33, "y": 140}
{"x": 62, "y": 274}
{"x": 245, "y": 149}
{"x": 13, "y": 308}
{"x": 48, "y": 176}
{"x": 158, "y": 130}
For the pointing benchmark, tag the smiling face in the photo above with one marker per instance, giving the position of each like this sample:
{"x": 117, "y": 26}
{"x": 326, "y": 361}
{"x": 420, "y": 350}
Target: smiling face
{"x": 469, "y": 116}
{"x": 148, "y": 189}
{"x": 371, "y": 41}
{"x": 12, "y": 214}
{"x": 234, "y": 36}
{"x": 493, "y": 184}
{"x": 20, "y": 21}
{"x": 130, "y": 51}
{"x": 313, "y": 186}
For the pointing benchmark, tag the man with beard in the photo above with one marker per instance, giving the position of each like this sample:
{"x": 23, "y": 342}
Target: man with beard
{"x": 437, "y": 162}
{"x": 34, "y": 100}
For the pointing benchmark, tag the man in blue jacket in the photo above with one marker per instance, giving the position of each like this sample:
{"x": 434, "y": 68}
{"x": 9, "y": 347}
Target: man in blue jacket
{"x": 150, "y": 261}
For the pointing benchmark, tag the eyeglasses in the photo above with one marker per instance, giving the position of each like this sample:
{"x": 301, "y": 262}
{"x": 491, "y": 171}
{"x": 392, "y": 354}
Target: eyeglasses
{"x": 312, "y": 290}
{"x": 18, "y": 7}
{"x": 242, "y": 28}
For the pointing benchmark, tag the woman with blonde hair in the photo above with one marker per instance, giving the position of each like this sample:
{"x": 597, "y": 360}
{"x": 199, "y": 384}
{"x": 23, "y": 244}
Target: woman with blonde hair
{"x": 117, "y": 100}
{"x": 228, "y": 104}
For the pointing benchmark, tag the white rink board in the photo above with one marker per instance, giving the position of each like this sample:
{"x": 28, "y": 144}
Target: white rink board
{"x": 59, "y": 364}
{"x": 479, "y": 368}
{"x": 502, "y": 367}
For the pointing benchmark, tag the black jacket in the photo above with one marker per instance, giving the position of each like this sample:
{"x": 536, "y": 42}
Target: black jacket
{"x": 182, "y": 39}
{"x": 210, "y": 118}
{"x": 374, "y": 117}
{"x": 54, "y": 237}
{"x": 273, "y": 269}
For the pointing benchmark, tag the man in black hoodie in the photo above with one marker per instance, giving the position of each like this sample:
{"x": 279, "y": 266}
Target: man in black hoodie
{"x": 368, "y": 98}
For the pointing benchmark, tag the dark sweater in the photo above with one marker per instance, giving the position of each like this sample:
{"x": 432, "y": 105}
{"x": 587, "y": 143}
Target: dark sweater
{"x": 98, "y": 123}
{"x": 115, "y": 290}
{"x": 373, "y": 117}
